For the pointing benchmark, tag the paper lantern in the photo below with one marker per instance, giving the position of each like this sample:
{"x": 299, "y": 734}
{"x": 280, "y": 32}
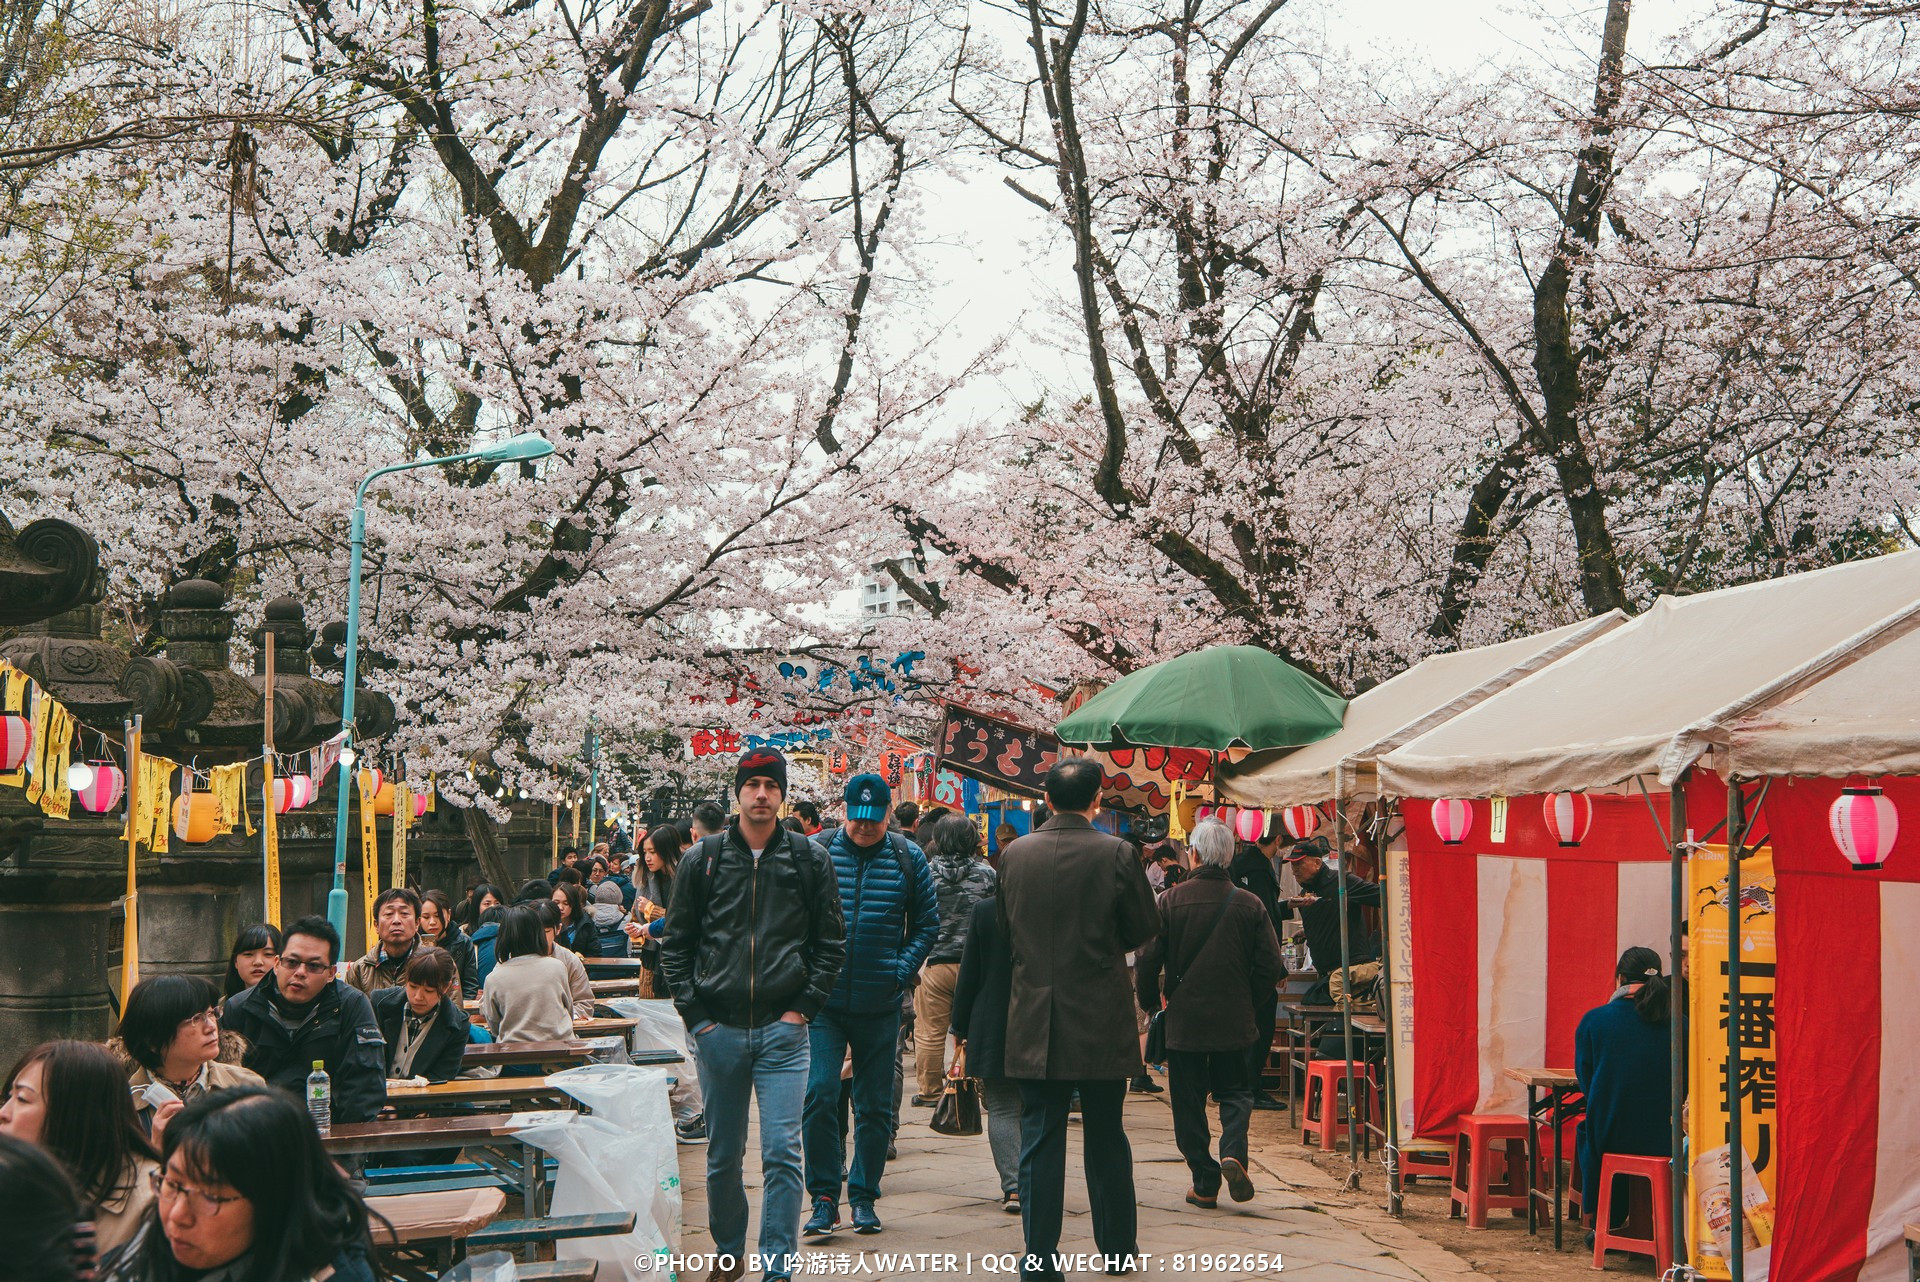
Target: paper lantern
{"x": 303, "y": 790}
{"x": 1864, "y": 825}
{"x": 103, "y": 792}
{"x": 196, "y": 817}
{"x": 419, "y": 804}
{"x": 1250, "y": 825}
{"x": 1300, "y": 821}
{"x": 1569, "y": 815}
{"x": 286, "y": 794}
{"x": 1452, "y": 820}
{"x": 1226, "y": 815}
{"x": 16, "y": 736}
{"x": 379, "y": 779}
{"x": 1202, "y": 814}
{"x": 382, "y": 795}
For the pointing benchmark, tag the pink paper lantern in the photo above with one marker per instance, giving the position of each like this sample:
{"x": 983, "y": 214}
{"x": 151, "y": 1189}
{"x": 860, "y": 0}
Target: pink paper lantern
{"x": 419, "y": 804}
{"x": 303, "y": 790}
{"x": 16, "y": 736}
{"x": 286, "y": 794}
{"x": 104, "y": 793}
{"x": 1202, "y": 814}
{"x": 1300, "y": 821}
{"x": 1250, "y": 825}
{"x": 1569, "y": 815}
{"x": 1864, "y": 825}
{"x": 1452, "y": 820}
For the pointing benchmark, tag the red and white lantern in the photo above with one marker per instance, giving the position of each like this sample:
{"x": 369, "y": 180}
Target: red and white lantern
{"x": 1864, "y": 825}
{"x": 104, "y": 790}
{"x": 1226, "y": 815}
{"x": 1250, "y": 825}
{"x": 286, "y": 794}
{"x": 303, "y": 790}
{"x": 1300, "y": 821}
{"x": 1452, "y": 820}
{"x": 1569, "y": 815}
{"x": 1201, "y": 815}
{"x": 16, "y": 736}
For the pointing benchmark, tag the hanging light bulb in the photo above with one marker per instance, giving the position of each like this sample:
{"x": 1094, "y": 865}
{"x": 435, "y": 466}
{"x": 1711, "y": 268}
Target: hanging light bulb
{"x": 523, "y": 794}
{"x": 79, "y": 776}
{"x": 348, "y": 756}
{"x": 499, "y": 793}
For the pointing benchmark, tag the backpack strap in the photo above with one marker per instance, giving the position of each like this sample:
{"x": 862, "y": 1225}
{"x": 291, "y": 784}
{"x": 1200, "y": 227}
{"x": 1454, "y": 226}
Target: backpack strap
{"x": 904, "y": 861}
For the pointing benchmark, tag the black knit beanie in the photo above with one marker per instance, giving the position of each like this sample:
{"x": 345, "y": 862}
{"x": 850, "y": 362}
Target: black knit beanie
{"x": 760, "y": 761}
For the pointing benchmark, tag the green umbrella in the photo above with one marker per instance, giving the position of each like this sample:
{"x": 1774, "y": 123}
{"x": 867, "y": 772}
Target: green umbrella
{"x": 1225, "y": 697}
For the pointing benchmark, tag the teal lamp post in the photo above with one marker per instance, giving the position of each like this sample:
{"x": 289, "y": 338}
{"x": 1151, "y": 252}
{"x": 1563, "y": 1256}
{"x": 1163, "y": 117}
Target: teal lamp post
{"x": 516, "y": 449}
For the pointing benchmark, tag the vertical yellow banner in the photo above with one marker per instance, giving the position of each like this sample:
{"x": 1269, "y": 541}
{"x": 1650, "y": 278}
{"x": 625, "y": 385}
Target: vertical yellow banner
{"x": 271, "y": 847}
{"x": 369, "y": 855}
{"x": 1713, "y": 1218}
{"x": 136, "y": 807}
{"x": 402, "y": 816}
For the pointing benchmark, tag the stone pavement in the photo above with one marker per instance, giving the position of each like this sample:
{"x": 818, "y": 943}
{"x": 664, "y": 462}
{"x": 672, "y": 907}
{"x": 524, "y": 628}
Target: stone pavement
{"x": 942, "y": 1196}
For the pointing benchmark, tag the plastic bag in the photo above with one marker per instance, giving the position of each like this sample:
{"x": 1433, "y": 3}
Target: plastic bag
{"x": 661, "y": 1029}
{"x": 494, "y": 1266}
{"x": 621, "y": 1158}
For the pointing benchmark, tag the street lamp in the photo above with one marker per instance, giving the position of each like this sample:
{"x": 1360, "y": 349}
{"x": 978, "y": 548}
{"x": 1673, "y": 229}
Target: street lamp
{"x": 523, "y": 448}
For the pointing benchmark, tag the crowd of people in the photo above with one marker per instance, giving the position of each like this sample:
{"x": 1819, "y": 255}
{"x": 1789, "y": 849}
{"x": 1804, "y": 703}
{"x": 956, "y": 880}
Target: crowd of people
{"x": 809, "y": 963}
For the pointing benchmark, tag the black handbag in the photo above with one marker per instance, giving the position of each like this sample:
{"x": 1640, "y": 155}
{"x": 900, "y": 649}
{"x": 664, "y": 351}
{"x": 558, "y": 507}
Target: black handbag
{"x": 1156, "y": 1050}
{"x": 958, "y": 1109}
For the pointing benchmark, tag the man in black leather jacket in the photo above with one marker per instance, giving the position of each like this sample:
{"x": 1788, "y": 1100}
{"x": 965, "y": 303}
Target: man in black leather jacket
{"x": 754, "y": 941}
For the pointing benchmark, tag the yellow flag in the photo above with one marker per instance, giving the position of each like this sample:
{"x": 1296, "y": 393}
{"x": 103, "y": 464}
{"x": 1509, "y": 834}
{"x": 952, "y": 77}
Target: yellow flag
{"x": 37, "y": 746}
{"x": 402, "y": 816}
{"x": 56, "y": 801}
{"x": 270, "y": 819}
{"x": 369, "y": 854}
{"x": 136, "y": 807}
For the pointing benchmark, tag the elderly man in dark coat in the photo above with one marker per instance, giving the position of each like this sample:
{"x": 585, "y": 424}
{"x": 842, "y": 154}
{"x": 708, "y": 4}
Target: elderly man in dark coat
{"x": 1221, "y": 960}
{"x": 1076, "y": 903}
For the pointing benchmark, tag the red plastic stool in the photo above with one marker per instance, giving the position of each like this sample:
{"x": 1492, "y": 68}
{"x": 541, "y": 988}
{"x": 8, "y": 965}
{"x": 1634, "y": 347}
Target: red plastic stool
{"x": 1422, "y": 1158}
{"x": 1327, "y": 1081}
{"x": 1658, "y": 1173}
{"x": 1474, "y": 1170}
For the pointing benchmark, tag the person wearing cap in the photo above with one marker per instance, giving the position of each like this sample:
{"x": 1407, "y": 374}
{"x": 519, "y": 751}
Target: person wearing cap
{"x": 1076, "y": 902}
{"x": 893, "y": 918}
{"x": 753, "y": 945}
{"x": 1318, "y": 905}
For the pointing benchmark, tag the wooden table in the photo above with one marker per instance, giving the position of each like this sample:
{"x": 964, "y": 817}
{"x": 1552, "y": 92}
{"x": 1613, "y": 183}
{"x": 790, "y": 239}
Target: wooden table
{"x": 610, "y": 966}
{"x": 614, "y": 987}
{"x": 560, "y": 1054}
{"x": 489, "y": 1091}
{"x": 489, "y": 1136}
{"x": 428, "y": 1224}
{"x": 1558, "y": 1083}
{"x": 597, "y": 1026}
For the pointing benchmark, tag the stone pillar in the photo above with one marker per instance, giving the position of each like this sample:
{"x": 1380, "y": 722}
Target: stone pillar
{"x": 59, "y": 883}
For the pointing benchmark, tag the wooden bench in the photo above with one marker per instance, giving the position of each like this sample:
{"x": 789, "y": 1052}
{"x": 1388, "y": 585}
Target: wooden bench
{"x": 540, "y": 1235}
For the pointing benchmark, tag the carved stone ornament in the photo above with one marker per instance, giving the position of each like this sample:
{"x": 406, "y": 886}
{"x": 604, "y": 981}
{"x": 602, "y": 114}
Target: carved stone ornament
{"x": 47, "y": 568}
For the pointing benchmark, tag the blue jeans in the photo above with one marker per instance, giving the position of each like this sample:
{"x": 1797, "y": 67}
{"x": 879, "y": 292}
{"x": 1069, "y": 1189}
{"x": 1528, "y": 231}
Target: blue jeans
{"x": 876, "y": 1053}
{"x": 771, "y": 1063}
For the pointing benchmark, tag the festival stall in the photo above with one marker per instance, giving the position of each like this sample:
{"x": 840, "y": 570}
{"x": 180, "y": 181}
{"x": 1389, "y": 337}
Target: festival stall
{"x": 1840, "y": 751}
{"x": 1541, "y": 831}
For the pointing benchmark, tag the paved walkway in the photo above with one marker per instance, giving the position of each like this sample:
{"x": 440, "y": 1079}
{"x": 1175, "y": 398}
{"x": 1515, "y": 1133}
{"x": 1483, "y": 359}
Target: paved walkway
{"x": 941, "y": 1196}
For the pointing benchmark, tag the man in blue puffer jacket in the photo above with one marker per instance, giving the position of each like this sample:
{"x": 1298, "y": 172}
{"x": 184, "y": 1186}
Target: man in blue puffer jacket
{"x": 893, "y": 918}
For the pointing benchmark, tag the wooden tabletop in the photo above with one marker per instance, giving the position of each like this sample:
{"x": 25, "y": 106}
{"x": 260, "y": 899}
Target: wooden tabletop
{"x": 492, "y": 1090}
{"x": 1370, "y": 1024}
{"x": 1543, "y": 1077}
{"x": 612, "y": 965}
{"x": 598, "y": 1026}
{"x": 1913, "y": 1232}
{"x": 1301, "y": 1008}
{"x": 614, "y": 987}
{"x": 491, "y": 1053}
{"x": 433, "y": 1217}
{"x": 418, "y": 1132}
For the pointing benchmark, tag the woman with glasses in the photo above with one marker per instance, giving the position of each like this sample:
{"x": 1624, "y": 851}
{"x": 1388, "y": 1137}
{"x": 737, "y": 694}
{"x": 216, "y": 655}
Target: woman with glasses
{"x": 71, "y": 1099}
{"x": 247, "y": 1194}
{"x": 171, "y": 1032}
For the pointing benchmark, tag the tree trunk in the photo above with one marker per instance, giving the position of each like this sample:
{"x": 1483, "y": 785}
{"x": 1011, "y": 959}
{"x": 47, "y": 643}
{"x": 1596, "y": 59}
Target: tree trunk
{"x": 484, "y": 833}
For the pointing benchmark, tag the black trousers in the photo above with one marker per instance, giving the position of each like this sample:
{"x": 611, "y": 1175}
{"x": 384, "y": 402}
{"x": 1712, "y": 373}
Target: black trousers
{"x": 1265, "y": 1015}
{"x": 1191, "y": 1077}
{"x": 1043, "y": 1169}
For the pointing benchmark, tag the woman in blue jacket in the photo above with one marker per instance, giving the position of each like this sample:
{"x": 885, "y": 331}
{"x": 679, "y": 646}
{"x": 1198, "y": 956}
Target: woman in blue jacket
{"x": 1620, "y": 1056}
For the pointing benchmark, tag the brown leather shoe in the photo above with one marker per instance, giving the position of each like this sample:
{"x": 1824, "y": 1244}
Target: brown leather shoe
{"x": 1204, "y": 1203}
{"x": 724, "y": 1273}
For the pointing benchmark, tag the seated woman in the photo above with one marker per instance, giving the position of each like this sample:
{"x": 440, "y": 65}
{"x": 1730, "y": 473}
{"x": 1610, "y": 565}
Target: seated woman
{"x": 71, "y": 1099}
{"x": 40, "y": 1219}
{"x": 171, "y": 1032}
{"x": 1620, "y": 1056}
{"x": 528, "y": 997}
{"x": 247, "y": 1191}
{"x": 426, "y": 1032}
{"x": 253, "y": 955}
{"x": 437, "y": 927}
{"x": 577, "y": 928}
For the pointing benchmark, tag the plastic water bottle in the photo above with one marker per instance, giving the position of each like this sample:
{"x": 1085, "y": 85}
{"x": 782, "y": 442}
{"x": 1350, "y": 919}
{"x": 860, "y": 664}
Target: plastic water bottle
{"x": 320, "y": 1097}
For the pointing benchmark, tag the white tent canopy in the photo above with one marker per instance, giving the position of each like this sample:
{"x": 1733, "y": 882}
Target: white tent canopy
{"x": 1642, "y": 700}
{"x": 1431, "y": 692}
{"x": 1861, "y": 719}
